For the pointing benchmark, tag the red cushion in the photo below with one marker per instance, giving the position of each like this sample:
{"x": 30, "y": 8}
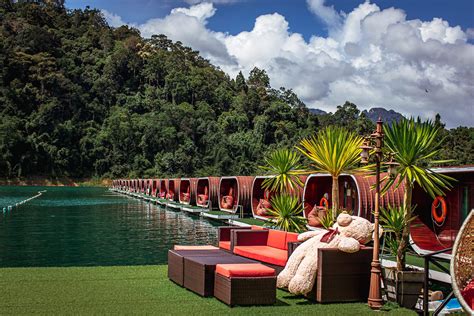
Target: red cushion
{"x": 276, "y": 239}
{"x": 244, "y": 270}
{"x": 468, "y": 293}
{"x": 263, "y": 253}
{"x": 224, "y": 245}
{"x": 257, "y": 227}
{"x": 290, "y": 237}
{"x": 185, "y": 247}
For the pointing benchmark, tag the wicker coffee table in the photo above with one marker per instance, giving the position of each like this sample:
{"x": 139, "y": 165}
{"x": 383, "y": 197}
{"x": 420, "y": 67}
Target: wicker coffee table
{"x": 176, "y": 261}
{"x": 199, "y": 271}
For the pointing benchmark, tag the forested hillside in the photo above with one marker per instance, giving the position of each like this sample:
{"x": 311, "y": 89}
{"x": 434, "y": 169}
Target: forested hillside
{"x": 79, "y": 98}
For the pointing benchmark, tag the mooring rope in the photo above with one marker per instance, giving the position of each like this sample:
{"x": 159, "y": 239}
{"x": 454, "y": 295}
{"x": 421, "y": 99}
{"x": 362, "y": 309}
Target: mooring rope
{"x": 16, "y": 205}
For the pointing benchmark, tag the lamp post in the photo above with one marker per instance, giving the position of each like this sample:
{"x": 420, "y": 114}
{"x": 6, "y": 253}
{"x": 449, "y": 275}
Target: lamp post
{"x": 375, "y": 295}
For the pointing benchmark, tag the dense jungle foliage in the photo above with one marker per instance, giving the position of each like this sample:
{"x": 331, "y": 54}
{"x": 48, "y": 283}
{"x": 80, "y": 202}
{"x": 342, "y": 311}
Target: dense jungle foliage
{"x": 79, "y": 98}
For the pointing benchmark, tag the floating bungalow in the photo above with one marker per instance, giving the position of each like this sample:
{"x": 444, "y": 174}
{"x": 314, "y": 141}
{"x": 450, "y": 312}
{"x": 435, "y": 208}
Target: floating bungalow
{"x": 173, "y": 189}
{"x": 439, "y": 220}
{"x": 355, "y": 196}
{"x": 162, "y": 188}
{"x": 261, "y": 198}
{"x": 235, "y": 194}
{"x": 207, "y": 192}
{"x": 187, "y": 191}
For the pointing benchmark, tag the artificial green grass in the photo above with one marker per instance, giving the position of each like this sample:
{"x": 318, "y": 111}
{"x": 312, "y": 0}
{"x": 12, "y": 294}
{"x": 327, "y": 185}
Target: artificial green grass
{"x": 220, "y": 213}
{"x": 134, "y": 290}
{"x": 194, "y": 207}
{"x": 415, "y": 260}
{"x": 420, "y": 262}
{"x": 251, "y": 221}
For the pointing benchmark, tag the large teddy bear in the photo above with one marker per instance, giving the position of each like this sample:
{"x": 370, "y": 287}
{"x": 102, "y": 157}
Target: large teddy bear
{"x": 348, "y": 233}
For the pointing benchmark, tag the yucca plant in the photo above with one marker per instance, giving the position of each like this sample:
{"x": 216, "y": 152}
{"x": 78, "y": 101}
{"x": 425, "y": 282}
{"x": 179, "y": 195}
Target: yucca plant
{"x": 284, "y": 168}
{"x": 334, "y": 150}
{"x": 286, "y": 212}
{"x": 327, "y": 220}
{"x": 393, "y": 221}
{"x": 414, "y": 145}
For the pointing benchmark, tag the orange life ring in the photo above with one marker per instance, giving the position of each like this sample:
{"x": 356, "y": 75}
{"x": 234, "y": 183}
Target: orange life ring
{"x": 324, "y": 202}
{"x": 439, "y": 219}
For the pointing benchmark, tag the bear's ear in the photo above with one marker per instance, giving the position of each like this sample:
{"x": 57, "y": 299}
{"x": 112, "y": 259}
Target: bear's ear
{"x": 348, "y": 244}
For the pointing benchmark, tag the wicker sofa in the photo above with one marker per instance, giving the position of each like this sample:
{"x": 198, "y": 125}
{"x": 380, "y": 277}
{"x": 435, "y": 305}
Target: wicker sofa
{"x": 341, "y": 277}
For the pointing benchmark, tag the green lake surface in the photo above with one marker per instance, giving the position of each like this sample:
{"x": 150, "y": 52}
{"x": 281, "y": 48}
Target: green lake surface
{"x": 69, "y": 226}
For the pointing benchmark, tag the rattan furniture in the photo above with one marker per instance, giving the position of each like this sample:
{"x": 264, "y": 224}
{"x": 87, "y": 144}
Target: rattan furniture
{"x": 199, "y": 271}
{"x": 176, "y": 261}
{"x": 192, "y": 247}
{"x": 462, "y": 264}
{"x": 342, "y": 276}
{"x": 224, "y": 236}
{"x": 245, "y": 284}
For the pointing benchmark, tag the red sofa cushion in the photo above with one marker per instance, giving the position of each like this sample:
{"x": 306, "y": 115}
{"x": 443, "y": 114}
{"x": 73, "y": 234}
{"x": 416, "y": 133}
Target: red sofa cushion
{"x": 276, "y": 239}
{"x": 263, "y": 253}
{"x": 224, "y": 245}
{"x": 290, "y": 237}
{"x": 244, "y": 270}
{"x": 256, "y": 227}
{"x": 468, "y": 293}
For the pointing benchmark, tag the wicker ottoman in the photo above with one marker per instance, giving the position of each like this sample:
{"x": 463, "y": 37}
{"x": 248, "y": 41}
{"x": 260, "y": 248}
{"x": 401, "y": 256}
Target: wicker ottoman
{"x": 245, "y": 284}
{"x": 199, "y": 271}
{"x": 176, "y": 261}
{"x": 189, "y": 247}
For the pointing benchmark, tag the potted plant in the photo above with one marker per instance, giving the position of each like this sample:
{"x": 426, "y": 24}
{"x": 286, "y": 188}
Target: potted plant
{"x": 413, "y": 144}
{"x": 284, "y": 168}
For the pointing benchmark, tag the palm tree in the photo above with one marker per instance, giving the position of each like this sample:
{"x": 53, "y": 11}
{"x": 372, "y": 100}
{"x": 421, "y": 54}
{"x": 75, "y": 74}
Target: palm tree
{"x": 284, "y": 167}
{"x": 334, "y": 150}
{"x": 414, "y": 145}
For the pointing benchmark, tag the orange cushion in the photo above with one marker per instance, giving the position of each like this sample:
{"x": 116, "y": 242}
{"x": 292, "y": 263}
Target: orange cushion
{"x": 224, "y": 245}
{"x": 263, "y": 253}
{"x": 290, "y": 237}
{"x": 186, "y": 247}
{"x": 244, "y": 270}
{"x": 256, "y": 227}
{"x": 276, "y": 239}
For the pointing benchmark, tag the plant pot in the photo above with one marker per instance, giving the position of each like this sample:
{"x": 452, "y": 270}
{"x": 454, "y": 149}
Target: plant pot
{"x": 403, "y": 287}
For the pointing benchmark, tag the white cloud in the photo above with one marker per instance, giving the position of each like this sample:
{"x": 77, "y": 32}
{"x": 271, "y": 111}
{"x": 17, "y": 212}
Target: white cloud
{"x": 202, "y": 11}
{"x": 327, "y": 14}
{"x": 113, "y": 19}
{"x": 188, "y": 25}
{"x": 372, "y": 57}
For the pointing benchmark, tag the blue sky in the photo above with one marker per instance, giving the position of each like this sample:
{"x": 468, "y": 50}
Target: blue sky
{"x": 238, "y": 16}
{"x": 413, "y": 56}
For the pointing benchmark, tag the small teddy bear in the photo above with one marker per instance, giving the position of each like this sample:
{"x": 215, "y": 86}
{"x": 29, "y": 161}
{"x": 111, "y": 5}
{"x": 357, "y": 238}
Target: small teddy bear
{"x": 348, "y": 233}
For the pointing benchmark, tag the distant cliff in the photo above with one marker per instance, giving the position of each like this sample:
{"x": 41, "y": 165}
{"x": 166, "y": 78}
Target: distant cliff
{"x": 388, "y": 116}
{"x": 317, "y": 111}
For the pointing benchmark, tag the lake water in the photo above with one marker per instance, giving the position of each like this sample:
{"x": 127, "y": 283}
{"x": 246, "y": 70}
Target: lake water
{"x": 89, "y": 227}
